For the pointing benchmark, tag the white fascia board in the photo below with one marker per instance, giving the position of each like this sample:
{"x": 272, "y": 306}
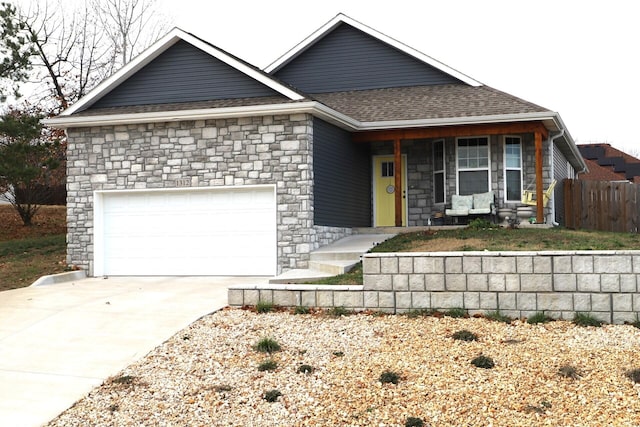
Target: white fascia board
{"x": 340, "y": 18}
{"x": 158, "y": 48}
{"x": 311, "y": 107}
{"x": 451, "y": 121}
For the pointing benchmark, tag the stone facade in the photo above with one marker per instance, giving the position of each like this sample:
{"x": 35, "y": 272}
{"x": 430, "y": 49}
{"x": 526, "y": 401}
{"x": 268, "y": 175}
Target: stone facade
{"x": 518, "y": 284}
{"x": 272, "y": 150}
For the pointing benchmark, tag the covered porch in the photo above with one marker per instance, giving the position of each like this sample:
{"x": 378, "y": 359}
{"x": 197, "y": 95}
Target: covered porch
{"x": 531, "y": 134}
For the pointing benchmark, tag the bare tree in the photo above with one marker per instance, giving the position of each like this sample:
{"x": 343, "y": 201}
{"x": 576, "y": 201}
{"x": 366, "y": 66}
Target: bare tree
{"x": 129, "y": 25}
{"x": 73, "y": 49}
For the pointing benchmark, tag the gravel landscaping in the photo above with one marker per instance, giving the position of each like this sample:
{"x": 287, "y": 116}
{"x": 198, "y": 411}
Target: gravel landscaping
{"x": 555, "y": 374}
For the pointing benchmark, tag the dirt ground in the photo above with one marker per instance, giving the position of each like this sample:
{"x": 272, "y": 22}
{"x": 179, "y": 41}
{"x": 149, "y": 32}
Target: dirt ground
{"x": 48, "y": 221}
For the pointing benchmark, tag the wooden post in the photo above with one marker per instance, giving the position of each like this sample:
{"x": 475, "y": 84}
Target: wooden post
{"x": 397, "y": 167}
{"x": 539, "y": 188}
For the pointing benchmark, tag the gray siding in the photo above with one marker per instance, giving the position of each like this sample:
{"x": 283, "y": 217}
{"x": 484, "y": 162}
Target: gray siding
{"x": 349, "y": 59}
{"x": 183, "y": 73}
{"x": 342, "y": 178}
{"x": 560, "y": 172}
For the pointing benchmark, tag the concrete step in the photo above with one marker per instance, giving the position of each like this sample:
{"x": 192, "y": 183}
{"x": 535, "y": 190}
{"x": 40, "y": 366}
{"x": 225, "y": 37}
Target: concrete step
{"x": 321, "y": 255}
{"x": 333, "y": 267}
{"x": 300, "y": 276}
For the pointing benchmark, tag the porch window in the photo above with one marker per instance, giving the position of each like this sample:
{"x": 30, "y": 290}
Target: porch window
{"x": 438, "y": 172}
{"x": 513, "y": 168}
{"x": 473, "y": 165}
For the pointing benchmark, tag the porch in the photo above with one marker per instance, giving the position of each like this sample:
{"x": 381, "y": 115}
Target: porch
{"x": 416, "y": 171}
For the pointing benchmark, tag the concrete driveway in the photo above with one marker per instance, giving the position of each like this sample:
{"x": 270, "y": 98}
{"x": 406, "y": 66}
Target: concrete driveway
{"x": 58, "y": 342}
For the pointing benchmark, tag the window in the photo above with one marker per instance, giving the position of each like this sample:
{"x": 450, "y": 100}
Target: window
{"x": 438, "y": 172}
{"x": 387, "y": 169}
{"x": 473, "y": 165}
{"x": 513, "y": 168}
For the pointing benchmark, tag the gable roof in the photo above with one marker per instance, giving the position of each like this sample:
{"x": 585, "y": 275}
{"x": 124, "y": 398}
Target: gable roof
{"x": 159, "y": 47}
{"x": 343, "y": 19}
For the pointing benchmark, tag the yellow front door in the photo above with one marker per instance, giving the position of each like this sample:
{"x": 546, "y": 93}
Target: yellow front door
{"x": 384, "y": 189}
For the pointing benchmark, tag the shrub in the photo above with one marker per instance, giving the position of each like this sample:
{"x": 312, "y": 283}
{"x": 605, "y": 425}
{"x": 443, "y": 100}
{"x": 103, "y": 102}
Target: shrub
{"x": 497, "y": 316}
{"x": 480, "y": 224}
{"x": 338, "y": 353}
{"x": 305, "y": 369}
{"x": 636, "y": 324}
{"x": 634, "y": 375}
{"x": 539, "y": 317}
{"x": 267, "y": 365}
{"x": 272, "y": 395}
{"x": 586, "y": 319}
{"x": 483, "y": 362}
{"x": 569, "y": 371}
{"x": 389, "y": 377}
{"x": 123, "y": 379}
{"x": 339, "y": 311}
{"x": 420, "y": 312}
{"x": 414, "y": 422}
{"x": 264, "y": 307}
{"x": 301, "y": 310}
{"x": 456, "y": 312}
{"x": 464, "y": 335}
{"x": 267, "y": 345}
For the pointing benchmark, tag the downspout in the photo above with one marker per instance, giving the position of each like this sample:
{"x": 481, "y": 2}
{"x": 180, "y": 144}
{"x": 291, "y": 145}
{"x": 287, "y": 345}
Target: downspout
{"x": 552, "y": 164}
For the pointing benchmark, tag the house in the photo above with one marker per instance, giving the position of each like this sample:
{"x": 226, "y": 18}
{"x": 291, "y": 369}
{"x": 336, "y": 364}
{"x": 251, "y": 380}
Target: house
{"x": 190, "y": 161}
{"x": 607, "y": 163}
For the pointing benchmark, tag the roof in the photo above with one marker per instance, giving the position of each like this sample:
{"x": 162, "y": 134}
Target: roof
{"x": 468, "y": 102}
{"x": 600, "y": 173}
{"x": 426, "y": 102}
{"x": 618, "y": 162}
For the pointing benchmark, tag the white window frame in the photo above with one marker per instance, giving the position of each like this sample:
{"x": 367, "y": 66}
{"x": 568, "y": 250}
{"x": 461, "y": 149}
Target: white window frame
{"x": 487, "y": 168}
{"x": 506, "y": 168}
{"x": 443, "y": 171}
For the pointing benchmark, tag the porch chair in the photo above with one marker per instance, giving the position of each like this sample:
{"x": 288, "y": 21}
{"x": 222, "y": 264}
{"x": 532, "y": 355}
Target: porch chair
{"x": 529, "y": 196}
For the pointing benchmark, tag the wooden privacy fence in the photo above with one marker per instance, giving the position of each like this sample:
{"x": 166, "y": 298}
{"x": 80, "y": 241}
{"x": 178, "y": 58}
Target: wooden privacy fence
{"x": 601, "y": 205}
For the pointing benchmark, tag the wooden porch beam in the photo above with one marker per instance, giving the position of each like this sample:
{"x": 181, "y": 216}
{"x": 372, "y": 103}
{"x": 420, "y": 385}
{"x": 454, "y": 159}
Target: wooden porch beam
{"x": 451, "y": 131}
{"x": 539, "y": 189}
{"x": 397, "y": 168}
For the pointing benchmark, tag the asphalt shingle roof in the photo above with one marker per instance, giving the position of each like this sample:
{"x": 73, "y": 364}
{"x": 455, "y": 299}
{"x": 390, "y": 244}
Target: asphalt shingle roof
{"x": 425, "y": 102}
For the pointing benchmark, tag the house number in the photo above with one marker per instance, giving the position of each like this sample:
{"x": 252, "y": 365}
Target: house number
{"x": 183, "y": 182}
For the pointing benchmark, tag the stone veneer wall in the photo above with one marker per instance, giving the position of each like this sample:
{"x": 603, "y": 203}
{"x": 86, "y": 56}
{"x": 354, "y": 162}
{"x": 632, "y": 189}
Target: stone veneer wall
{"x": 518, "y": 284}
{"x": 209, "y": 153}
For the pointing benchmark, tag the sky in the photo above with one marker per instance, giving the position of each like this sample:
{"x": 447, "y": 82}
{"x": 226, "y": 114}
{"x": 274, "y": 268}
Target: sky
{"x": 579, "y": 58}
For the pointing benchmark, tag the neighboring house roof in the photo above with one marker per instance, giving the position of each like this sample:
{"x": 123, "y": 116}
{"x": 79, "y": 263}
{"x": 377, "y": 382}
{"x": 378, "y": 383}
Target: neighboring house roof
{"x": 600, "y": 173}
{"x": 604, "y": 156}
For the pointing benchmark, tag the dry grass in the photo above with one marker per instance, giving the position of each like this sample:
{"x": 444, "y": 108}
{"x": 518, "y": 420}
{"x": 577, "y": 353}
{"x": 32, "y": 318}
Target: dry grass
{"x": 27, "y": 253}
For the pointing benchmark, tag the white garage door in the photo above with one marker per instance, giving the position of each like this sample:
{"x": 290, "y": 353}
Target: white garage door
{"x": 186, "y": 232}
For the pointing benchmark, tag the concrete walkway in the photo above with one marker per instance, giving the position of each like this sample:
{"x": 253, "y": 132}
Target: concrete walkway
{"x": 58, "y": 342}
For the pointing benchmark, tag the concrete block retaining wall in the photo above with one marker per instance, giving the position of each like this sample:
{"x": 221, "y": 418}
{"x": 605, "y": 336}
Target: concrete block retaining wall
{"x": 518, "y": 284}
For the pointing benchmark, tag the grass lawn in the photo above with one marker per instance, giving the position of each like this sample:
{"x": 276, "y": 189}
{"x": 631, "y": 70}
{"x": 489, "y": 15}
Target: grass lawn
{"x": 27, "y": 253}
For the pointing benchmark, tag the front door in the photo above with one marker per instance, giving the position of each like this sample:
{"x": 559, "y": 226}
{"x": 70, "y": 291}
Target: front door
{"x": 384, "y": 191}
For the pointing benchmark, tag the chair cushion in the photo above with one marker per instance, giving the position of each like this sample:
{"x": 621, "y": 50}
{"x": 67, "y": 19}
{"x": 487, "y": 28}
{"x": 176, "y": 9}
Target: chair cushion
{"x": 460, "y": 205}
{"x": 483, "y": 201}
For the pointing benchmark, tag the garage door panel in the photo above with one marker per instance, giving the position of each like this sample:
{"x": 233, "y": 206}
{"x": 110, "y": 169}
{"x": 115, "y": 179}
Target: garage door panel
{"x": 217, "y": 232}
